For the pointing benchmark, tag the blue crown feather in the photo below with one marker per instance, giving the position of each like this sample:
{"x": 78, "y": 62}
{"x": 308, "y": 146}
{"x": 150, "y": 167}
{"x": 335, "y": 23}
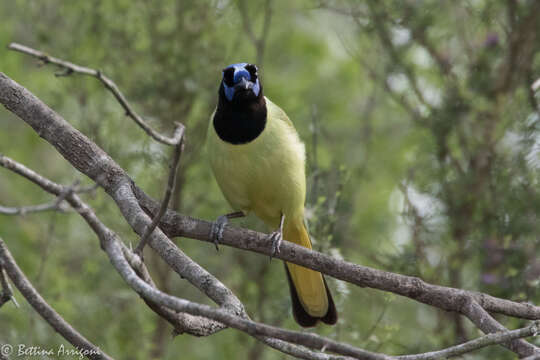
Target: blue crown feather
{"x": 240, "y": 72}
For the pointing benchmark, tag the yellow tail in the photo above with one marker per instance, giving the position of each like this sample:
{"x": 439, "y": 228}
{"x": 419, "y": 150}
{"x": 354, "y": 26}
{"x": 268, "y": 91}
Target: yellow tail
{"x": 308, "y": 287}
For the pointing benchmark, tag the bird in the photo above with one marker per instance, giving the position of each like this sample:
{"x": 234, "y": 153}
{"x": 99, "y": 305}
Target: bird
{"x": 258, "y": 161}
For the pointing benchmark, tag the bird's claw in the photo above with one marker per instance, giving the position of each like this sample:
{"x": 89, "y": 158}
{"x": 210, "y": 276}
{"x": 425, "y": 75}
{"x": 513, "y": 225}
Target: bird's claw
{"x": 276, "y": 237}
{"x": 217, "y": 229}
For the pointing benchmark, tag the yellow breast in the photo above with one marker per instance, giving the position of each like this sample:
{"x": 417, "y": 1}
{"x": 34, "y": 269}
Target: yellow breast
{"x": 266, "y": 175}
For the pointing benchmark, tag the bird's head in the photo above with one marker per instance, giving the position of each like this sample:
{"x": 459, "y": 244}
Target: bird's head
{"x": 241, "y": 82}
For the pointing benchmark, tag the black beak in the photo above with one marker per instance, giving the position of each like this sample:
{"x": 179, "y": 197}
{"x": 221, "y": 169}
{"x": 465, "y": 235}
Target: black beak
{"x": 243, "y": 84}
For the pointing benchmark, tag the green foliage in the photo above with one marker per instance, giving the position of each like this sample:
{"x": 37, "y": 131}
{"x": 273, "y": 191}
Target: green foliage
{"x": 422, "y": 138}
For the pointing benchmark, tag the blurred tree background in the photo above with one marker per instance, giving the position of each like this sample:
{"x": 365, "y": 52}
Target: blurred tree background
{"x": 423, "y": 144}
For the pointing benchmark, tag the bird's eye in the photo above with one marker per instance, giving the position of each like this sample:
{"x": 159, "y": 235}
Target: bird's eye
{"x": 228, "y": 76}
{"x": 252, "y": 69}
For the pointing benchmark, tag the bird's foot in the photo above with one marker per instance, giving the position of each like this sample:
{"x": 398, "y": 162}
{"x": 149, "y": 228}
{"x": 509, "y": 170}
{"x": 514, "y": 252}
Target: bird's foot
{"x": 217, "y": 229}
{"x": 216, "y": 233}
{"x": 276, "y": 238}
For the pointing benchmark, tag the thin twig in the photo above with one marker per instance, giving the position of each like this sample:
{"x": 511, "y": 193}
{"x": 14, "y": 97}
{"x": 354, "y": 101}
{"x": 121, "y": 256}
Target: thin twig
{"x": 171, "y": 183}
{"x": 483, "y": 341}
{"x": 23, "y": 210}
{"x": 487, "y": 323}
{"x": 86, "y": 189}
{"x": 72, "y": 68}
{"x": 44, "y": 309}
{"x": 6, "y": 293}
{"x": 371, "y": 331}
{"x": 56, "y": 205}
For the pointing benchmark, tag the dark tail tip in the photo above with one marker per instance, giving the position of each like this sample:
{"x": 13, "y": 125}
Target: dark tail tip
{"x": 301, "y": 316}
{"x": 331, "y": 316}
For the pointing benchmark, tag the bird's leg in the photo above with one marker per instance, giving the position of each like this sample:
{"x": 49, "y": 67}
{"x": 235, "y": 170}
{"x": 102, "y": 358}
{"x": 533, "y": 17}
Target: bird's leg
{"x": 219, "y": 225}
{"x": 276, "y": 237}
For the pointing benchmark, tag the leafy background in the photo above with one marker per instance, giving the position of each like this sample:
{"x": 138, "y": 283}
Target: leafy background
{"x": 422, "y": 136}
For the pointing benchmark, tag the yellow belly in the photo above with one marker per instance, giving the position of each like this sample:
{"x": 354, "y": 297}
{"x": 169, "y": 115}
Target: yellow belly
{"x": 267, "y": 175}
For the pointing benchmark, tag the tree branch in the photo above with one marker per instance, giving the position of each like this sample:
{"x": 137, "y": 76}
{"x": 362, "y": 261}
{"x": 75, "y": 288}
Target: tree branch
{"x": 114, "y": 180}
{"x": 44, "y": 309}
{"x": 23, "y": 210}
{"x": 6, "y": 293}
{"x": 171, "y": 183}
{"x": 112, "y": 245}
{"x": 113, "y": 249}
{"x": 92, "y": 161}
{"x": 175, "y": 224}
{"x": 485, "y": 322}
{"x": 108, "y": 83}
{"x": 449, "y": 299}
{"x": 182, "y": 322}
{"x": 56, "y": 205}
{"x": 57, "y": 189}
{"x": 483, "y": 341}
